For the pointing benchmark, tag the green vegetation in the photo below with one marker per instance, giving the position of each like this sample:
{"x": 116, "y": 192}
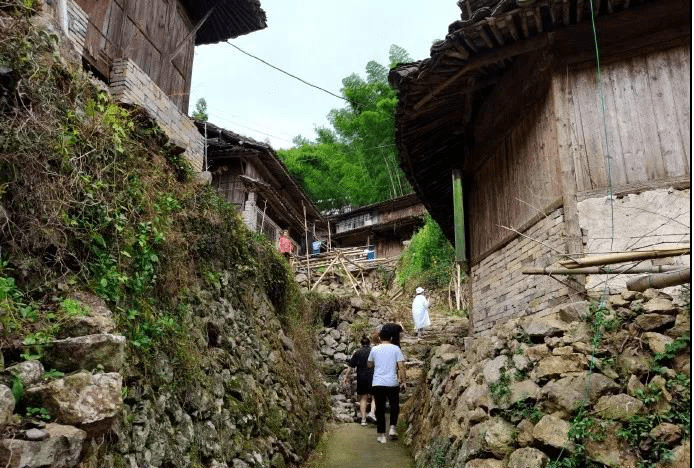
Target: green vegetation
{"x": 501, "y": 390}
{"x": 354, "y": 162}
{"x": 200, "y": 112}
{"x": 93, "y": 198}
{"x": 428, "y": 259}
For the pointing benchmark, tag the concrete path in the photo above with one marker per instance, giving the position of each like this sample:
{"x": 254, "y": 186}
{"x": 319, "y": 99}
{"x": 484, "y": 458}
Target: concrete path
{"x": 354, "y": 446}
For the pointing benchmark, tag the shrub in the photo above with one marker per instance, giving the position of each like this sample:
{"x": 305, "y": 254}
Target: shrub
{"x": 428, "y": 259}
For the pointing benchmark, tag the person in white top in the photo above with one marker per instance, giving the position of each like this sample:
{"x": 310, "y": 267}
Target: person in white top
{"x": 420, "y": 312}
{"x": 389, "y": 364}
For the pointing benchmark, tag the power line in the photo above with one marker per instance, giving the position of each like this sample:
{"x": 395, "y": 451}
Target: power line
{"x": 289, "y": 74}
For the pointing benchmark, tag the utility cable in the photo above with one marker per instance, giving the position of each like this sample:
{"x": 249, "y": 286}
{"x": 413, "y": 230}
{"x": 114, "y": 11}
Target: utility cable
{"x": 291, "y": 75}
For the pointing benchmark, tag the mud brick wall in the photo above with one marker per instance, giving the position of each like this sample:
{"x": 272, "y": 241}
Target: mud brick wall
{"x": 131, "y": 85}
{"x": 501, "y": 292}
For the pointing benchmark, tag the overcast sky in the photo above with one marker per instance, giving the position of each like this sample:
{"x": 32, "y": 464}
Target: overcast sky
{"x": 321, "y": 41}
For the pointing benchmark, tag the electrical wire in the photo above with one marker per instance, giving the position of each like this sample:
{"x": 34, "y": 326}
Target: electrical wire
{"x": 291, "y": 75}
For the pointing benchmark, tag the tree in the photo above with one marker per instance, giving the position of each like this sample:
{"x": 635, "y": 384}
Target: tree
{"x": 201, "y": 110}
{"x": 354, "y": 162}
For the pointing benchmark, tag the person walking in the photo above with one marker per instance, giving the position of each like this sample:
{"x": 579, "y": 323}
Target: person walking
{"x": 364, "y": 378}
{"x": 389, "y": 364}
{"x": 420, "y": 312}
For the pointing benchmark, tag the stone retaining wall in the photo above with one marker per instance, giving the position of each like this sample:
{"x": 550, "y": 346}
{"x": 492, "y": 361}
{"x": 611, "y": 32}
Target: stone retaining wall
{"x": 131, "y": 85}
{"x": 501, "y": 292}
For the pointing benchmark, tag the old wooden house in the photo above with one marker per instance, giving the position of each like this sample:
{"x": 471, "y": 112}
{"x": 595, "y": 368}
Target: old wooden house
{"x": 381, "y": 227}
{"x": 144, "y": 50}
{"x": 556, "y": 157}
{"x": 248, "y": 174}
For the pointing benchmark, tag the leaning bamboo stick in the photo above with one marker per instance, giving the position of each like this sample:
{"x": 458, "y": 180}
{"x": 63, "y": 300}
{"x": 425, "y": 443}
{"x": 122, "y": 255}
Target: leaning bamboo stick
{"x": 324, "y": 273}
{"x": 308, "y": 263}
{"x": 599, "y": 270}
{"x": 620, "y": 257}
{"x": 660, "y": 280}
{"x": 349, "y": 275}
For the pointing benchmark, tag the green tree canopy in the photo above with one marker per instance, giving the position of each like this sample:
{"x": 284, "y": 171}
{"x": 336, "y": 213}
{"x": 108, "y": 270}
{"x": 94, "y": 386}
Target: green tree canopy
{"x": 355, "y": 161}
{"x": 200, "y": 110}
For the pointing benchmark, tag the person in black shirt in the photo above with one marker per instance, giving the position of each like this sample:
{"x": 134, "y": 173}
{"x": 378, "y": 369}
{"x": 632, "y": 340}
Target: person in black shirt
{"x": 364, "y": 378}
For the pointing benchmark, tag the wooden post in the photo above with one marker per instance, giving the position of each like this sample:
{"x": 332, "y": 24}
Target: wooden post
{"x": 459, "y": 224}
{"x": 561, "y": 94}
{"x": 349, "y": 275}
{"x": 262, "y": 220}
{"x": 308, "y": 261}
{"x": 330, "y": 244}
{"x": 325, "y": 272}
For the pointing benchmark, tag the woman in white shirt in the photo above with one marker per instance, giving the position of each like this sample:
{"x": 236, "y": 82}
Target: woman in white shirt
{"x": 420, "y": 312}
{"x": 389, "y": 364}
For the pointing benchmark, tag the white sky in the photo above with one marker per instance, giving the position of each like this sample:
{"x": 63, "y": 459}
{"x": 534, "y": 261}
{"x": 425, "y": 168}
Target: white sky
{"x": 321, "y": 41}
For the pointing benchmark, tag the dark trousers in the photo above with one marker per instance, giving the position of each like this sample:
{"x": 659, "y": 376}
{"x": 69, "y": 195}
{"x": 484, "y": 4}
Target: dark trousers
{"x": 392, "y": 394}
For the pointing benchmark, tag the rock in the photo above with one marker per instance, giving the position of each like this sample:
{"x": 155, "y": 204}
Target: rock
{"x": 682, "y": 327}
{"x": 562, "y": 350}
{"x": 535, "y": 353}
{"x": 597, "y": 385}
{"x": 29, "y": 372}
{"x": 301, "y": 278}
{"x": 634, "y": 386}
{"x": 631, "y": 295}
{"x": 528, "y": 458}
{"x": 95, "y": 305}
{"x": 86, "y": 325}
{"x": 524, "y": 435}
{"x": 666, "y": 433}
{"x": 565, "y": 394}
{"x": 632, "y": 361}
{"x": 682, "y": 364}
{"x": 680, "y": 457}
{"x": 617, "y": 300}
{"x": 477, "y": 395}
{"x": 659, "y": 306}
{"x": 87, "y": 352}
{"x": 484, "y": 463}
{"x": 357, "y": 303}
{"x": 611, "y": 450}
{"x": 573, "y": 311}
{"x": 521, "y": 391}
{"x": 553, "y": 366}
{"x": 544, "y": 326}
{"x": 648, "y": 322}
{"x": 520, "y": 362}
{"x": 340, "y": 357}
{"x": 61, "y": 449}
{"x": 553, "y": 432}
{"x": 6, "y": 405}
{"x": 84, "y": 398}
{"x": 492, "y": 369}
{"x": 578, "y": 331}
{"x": 656, "y": 341}
{"x": 498, "y": 436}
{"x": 620, "y": 407}
{"x": 36, "y": 434}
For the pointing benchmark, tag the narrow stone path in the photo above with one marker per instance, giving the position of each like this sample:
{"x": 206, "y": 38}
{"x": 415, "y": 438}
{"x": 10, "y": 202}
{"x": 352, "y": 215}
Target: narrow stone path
{"x": 355, "y": 446}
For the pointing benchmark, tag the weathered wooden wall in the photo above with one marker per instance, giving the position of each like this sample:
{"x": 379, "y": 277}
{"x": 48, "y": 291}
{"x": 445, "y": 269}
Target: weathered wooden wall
{"x": 516, "y": 184}
{"x": 148, "y": 33}
{"x": 648, "y": 120}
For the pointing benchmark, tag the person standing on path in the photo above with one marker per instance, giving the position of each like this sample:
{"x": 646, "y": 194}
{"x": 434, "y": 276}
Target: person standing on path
{"x": 389, "y": 364}
{"x": 420, "y": 312}
{"x": 285, "y": 244}
{"x": 364, "y": 378}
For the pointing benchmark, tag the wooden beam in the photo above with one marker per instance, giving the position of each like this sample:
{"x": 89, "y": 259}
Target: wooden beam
{"x": 600, "y": 270}
{"x": 488, "y": 58}
{"x": 621, "y": 257}
{"x": 662, "y": 280}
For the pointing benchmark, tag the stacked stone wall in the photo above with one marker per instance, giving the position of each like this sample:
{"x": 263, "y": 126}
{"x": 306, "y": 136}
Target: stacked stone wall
{"x": 131, "y": 85}
{"x": 500, "y": 291}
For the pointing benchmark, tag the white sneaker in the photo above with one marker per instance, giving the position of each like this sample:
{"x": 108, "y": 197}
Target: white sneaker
{"x": 393, "y": 434}
{"x": 363, "y": 422}
{"x": 382, "y": 439}
{"x": 371, "y": 417}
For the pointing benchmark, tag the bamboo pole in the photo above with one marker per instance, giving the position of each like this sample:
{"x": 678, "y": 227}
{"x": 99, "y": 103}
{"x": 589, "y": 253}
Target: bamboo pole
{"x": 457, "y": 287}
{"x": 349, "y": 275}
{"x": 620, "y": 257}
{"x": 599, "y": 270}
{"x": 308, "y": 262}
{"x": 330, "y": 243}
{"x": 262, "y": 221}
{"x": 660, "y": 280}
{"x": 324, "y": 273}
